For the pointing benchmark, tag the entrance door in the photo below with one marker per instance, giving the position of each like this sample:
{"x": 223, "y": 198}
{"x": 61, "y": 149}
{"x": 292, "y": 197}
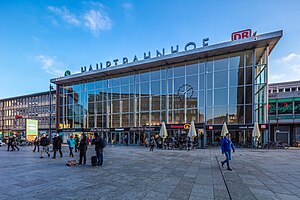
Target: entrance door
{"x": 283, "y": 134}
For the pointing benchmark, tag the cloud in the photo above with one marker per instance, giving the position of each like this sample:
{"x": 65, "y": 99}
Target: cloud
{"x": 286, "y": 68}
{"x": 50, "y": 66}
{"x": 127, "y": 6}
{"x": 94, "y": 20}
{"x": 65, "y": 14}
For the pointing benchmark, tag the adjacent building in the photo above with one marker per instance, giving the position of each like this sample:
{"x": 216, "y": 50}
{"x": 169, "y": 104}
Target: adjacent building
{"x": 210, "y": 85}
{"x": 284, "y": 112}
{"x": 15, "y": 111}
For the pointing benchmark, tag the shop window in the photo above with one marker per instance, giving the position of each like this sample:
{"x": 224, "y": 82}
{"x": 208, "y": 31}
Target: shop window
{"x": 285, "y": 107}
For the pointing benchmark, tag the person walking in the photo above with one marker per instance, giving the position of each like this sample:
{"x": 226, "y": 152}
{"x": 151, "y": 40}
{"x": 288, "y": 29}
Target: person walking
{"x": 152, "y": 143}
{"x": 226, "y": 147}
{"x": 83, "y": 148}
{"x": 57, "y": 141}
{"x": 36, "y": 143}
{"x": 100, "y": 144}
{"x": 126, "y": 140}
{"x": 44, "y": 144}
{"x": 76, "y": 142}
{"x": 14, "y": 143}
{"x": 9, "y": 144}
{"x": 71, "y": 143}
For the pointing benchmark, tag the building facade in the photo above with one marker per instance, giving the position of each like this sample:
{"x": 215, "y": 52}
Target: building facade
{"x": 284, "y": 112}
{"x": 15, "y": 111}
{"x": 210, "y": 85}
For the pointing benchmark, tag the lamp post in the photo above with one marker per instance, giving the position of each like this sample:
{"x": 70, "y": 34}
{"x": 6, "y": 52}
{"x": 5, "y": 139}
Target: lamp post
{"x": 50, "y": 110}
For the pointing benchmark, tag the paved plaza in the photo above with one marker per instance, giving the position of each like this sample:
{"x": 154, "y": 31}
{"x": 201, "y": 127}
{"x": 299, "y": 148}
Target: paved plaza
{"x": 136, "y": 173}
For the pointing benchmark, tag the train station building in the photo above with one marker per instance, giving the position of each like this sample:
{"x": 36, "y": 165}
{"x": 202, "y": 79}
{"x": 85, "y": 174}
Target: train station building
{"x": 210, "y": 85}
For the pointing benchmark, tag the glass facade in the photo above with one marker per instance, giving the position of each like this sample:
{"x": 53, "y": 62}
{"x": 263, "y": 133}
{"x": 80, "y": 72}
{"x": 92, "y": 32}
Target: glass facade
{"x": 230, "y": 88}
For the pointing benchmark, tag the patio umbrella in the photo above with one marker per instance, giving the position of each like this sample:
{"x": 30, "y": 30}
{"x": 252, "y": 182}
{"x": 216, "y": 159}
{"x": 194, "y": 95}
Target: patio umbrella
{"x": 163, "y": 131}
{"x": 192, "y": 131}
{"x": 224, "y": 130}
{"x": 256, "y": 132}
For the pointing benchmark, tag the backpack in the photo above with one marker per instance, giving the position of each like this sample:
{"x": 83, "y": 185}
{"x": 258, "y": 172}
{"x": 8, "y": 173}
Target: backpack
{"x": 102, "y": 143}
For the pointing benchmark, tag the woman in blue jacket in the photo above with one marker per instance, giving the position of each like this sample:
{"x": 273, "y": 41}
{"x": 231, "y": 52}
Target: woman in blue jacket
{"x": 71, "y": 143}
{"x": 226, "y": 148}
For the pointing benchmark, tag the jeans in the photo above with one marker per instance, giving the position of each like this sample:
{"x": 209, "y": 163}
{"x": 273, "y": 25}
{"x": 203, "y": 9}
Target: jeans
{"x": 45, "y": 148}
{"x": 38, "y": 148}
{"x": 99, "y": 154}
{"x": 82, "y": 155}
{"x": 60, "y": 152}
{"x": 228, "y": 157}
{"x": 71, "y": 151}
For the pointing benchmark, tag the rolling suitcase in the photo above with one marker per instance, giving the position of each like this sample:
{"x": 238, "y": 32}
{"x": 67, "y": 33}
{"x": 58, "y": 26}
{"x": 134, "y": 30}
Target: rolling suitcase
{"x": 94, "y": 160}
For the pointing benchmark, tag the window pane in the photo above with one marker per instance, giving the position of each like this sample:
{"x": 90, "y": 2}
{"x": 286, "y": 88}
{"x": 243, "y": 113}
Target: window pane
{"x": 193, "y": 81}
{"x": 179, "y": 116}
{"x": 220, "y": 115}
{"x": 221, "y": 97}
{"x": 192, "y": 69}
{"x": 155, "y": 88}
{"x": 155, "y": 102}
{"x": 179, "y": 71}
{"x": 248, "y": 114}
{"x": 191, "y": 115}
{"x": 221, "y": 79}
{"x": 221, "y": 63}
{"x": 249, "y": 75}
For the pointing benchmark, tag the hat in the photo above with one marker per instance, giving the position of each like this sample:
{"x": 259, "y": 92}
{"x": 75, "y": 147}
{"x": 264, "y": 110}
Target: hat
{"x": 14, "y": 136}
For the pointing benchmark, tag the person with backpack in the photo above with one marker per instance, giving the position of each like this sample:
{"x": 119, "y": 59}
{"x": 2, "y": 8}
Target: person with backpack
{"x": 76, "y": 142}
{"x": 36, "y": 143}
{"x": 100, "y": 144}
{"x": 83, "y": 148}
{"x": 71, "y": 143}
{"x": 57, "y": 141}
{"x": 44, "y": 144}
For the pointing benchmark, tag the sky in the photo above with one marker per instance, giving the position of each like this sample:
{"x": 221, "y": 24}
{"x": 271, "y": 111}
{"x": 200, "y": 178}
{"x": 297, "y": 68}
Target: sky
{"x": 41, "y": 39}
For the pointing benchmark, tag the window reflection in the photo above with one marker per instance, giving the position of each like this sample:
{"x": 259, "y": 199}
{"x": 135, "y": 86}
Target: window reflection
{"x": 222, "y": 88}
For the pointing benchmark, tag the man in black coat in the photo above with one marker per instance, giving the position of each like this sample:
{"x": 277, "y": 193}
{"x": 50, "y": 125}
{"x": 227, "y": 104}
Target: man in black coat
{"x": 57, "y": 141}
{"x": 44, "y": 144}
{"x": 99, "y": 143}
{"x": 83, "y": 148}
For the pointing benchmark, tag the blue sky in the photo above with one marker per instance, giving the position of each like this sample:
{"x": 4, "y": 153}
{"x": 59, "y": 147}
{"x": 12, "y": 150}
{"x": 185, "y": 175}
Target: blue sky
{"x": 40, "y": 40}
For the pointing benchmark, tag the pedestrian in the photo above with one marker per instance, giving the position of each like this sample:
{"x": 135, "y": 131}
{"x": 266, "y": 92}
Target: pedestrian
{"x": 36, "y": 143}
{"x": 146, "y": 142}
{"x": 126, "y": 140}
{"x": 9, "y": 144}
{"x": 44, "y": 144}
{"x": 83, "y": 148}
{"x": 48, "y": 142}
{"x": 71, "y": 143}
{"x": 152, "y": 143}
{"x": 14, "y": 143}
{"x": 76, "y": 142}
{"x": 226, "y": 147}
{"x": 100, "y": 144}
{"x": 57, "y": 141}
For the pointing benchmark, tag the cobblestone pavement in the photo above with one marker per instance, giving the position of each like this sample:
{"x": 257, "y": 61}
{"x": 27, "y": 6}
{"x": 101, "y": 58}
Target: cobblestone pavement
{"x": 137, "y": 173}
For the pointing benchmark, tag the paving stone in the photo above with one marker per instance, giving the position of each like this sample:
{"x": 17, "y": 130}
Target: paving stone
{"x": 135, "y": 173}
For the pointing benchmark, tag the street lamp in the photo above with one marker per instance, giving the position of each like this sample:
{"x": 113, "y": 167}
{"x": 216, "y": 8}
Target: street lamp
{"x": 50, "y": 111}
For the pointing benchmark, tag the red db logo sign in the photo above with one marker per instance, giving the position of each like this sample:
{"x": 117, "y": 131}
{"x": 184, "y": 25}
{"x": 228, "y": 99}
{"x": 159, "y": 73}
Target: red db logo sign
{"x": 241, "y": 34}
